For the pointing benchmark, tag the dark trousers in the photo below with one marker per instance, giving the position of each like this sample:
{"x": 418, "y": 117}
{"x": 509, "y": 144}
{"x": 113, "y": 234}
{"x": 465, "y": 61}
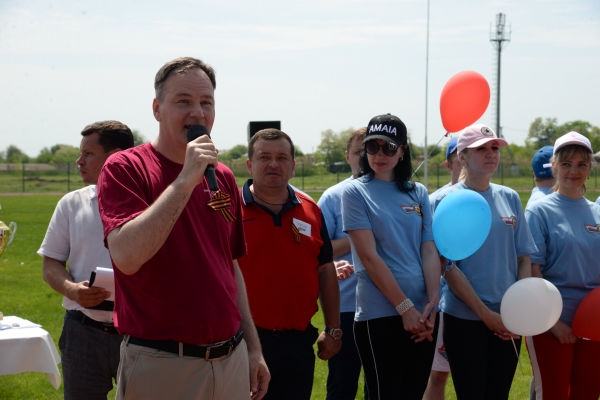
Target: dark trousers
{"x": 482, "y": 364}
{"x": 344, "y": 367}
{"x": 395, "y": 366}
{"x": 90, "y": 359}
{"x": 291, "y": 361}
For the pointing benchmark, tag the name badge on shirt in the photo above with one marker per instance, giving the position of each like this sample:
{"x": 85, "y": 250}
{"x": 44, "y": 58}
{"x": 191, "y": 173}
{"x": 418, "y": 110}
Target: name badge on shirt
{"x": 303, "y": 227}
{"x": 592, "y": 228}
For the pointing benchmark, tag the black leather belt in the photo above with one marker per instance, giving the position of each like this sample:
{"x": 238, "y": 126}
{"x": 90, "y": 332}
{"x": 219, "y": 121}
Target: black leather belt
{"x": 208, "y": 352}
{"x": 85, "y": 320}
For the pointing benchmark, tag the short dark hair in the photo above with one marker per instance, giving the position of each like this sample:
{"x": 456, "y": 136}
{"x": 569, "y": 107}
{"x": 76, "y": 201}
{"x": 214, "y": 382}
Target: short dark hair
{"x": 112, "y": 135}
{"x": 452, "y": 157}
{"x": 268, "y": 134}
{"x": 546, "y": 178}
{"x": 358, "y": 134}
{"x": 180, "y": 66}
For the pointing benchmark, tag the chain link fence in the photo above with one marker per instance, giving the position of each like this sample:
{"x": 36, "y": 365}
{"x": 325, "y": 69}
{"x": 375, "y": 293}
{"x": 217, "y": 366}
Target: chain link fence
{"x": 39, "y": 178}
{"x": 46, "y": 178}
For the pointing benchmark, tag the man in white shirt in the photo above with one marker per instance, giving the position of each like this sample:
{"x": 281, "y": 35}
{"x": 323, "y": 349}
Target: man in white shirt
{"x": 89, "y": 342}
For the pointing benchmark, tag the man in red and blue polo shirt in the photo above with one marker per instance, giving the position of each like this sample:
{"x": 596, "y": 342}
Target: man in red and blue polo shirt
{"x": 287, "y": 268}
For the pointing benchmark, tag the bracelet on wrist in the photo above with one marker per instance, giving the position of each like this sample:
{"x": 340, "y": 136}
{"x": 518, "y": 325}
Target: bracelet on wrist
{"x": 403, "y": 307}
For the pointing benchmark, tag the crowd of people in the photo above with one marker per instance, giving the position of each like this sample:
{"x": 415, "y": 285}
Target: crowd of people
{"x": 216, "y": 286}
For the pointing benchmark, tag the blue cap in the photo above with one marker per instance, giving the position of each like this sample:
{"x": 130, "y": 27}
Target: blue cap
{"x": 451, "y": 147}
{"x": 541, "y": 157}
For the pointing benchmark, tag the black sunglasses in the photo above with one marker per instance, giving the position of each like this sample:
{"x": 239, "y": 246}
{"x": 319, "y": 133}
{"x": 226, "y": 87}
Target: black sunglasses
{"x": 389, "y": 149}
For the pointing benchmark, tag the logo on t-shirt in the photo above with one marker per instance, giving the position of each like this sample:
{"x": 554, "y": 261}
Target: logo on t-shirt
{"x": 413, "y": 208}
{"x": 592, "y": 228}
{"x": 510, "y": 221}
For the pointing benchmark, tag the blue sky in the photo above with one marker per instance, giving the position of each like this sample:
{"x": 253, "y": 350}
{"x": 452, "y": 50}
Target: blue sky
{"x": 314, "y": 65}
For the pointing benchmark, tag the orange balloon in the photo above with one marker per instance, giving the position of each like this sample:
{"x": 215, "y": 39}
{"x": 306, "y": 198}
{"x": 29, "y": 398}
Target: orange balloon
{"x": 464, "y": 99}
{"x": 586, "y": 323}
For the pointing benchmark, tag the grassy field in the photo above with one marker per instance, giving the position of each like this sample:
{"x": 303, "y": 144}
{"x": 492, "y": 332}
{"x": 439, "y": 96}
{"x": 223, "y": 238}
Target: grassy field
{"x": 24, "y": 293}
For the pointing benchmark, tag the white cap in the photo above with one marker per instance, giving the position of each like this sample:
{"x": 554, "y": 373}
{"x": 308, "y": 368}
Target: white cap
{"x": 572, "y": 138}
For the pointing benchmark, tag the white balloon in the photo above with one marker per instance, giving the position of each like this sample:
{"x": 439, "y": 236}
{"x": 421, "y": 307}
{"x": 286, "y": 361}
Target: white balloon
{"x": 531, "y": 306}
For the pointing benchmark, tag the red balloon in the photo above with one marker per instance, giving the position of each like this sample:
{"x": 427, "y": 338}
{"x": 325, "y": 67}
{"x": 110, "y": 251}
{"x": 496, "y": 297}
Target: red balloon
{"x": 586, "y": 323}
{"x": 464, "y": 99}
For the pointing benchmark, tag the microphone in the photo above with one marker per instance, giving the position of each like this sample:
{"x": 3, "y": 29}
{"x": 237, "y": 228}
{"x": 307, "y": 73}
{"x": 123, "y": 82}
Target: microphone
{"x": 193, "y": 133}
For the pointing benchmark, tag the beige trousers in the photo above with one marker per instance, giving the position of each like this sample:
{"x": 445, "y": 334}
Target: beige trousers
{"x": 146, "y": 373}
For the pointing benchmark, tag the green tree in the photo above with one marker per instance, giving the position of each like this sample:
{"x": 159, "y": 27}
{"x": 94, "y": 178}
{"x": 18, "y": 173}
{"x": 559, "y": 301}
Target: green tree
{"x": 45, "y": 156}
{"x": 544, "y": 133}
{"x": 433, "y": 150}
{"x": 138, "y": 138}
{"x": 56, "y": 147}
{"x": 586, "y": 129}
{"x": 438, "y": 156}
{"x": 14, "y": 155}
{"x": 65, "y": 154}
{"x": 59, "y": 154}
{"x": 333, "y": 146}
{"x": 235, "y": 153}
{"x": 416, "y": 151}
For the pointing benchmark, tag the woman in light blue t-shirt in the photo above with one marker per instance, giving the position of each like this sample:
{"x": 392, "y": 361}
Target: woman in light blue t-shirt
{"x": 565, "y": 225}
{"x": 478, "y": 345}
{"x": 388, "y": 220}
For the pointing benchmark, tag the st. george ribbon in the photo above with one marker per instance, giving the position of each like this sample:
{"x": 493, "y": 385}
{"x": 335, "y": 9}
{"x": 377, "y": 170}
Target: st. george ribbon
{"x": 193, "y": 133}
{"x": 219, "y": 201}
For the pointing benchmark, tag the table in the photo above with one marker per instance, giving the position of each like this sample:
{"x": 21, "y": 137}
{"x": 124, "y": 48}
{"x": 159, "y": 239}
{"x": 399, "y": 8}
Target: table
{"x": 28, "y": 349}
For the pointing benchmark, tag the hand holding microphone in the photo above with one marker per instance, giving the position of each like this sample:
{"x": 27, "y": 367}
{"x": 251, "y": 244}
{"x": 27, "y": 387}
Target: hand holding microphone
{"x": 193, "y": 133}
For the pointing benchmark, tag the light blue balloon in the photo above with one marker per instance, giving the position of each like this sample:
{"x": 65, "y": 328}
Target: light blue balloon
{"x": 461, "y": 223}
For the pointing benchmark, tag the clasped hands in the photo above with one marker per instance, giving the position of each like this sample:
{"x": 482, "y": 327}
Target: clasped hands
{"x": 420, "y": 325}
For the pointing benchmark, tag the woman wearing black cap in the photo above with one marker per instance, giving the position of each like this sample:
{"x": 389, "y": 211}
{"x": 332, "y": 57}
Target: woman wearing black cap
{"x": 388, "y": 219}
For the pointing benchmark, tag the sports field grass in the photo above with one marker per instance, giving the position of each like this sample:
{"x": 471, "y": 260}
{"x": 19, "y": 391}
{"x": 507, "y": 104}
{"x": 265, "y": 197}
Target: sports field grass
{"x": 24, "y": 293}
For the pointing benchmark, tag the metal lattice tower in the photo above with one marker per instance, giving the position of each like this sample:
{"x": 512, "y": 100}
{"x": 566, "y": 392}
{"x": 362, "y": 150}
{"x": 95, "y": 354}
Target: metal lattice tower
{"x": 499, "y": 37}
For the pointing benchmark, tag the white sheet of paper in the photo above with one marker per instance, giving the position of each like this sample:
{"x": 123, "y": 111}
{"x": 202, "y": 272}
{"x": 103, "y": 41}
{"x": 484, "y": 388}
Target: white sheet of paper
{"x": 105, "y": 278}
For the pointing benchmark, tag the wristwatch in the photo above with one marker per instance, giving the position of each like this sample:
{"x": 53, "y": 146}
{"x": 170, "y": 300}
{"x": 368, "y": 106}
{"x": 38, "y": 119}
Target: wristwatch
{"x": 335, "y": 333}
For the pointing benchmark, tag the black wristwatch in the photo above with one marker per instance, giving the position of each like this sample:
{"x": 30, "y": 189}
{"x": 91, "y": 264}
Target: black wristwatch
{"x": 335, "y": 333}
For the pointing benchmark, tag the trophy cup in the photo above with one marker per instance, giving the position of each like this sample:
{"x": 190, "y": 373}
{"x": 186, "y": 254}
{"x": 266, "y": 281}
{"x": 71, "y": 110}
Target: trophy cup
{"x": 7, "y": 234}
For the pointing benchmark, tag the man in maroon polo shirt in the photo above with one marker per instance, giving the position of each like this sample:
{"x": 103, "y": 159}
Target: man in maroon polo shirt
{"x": 180, "y": 298}
{"x": 287, "y": 268}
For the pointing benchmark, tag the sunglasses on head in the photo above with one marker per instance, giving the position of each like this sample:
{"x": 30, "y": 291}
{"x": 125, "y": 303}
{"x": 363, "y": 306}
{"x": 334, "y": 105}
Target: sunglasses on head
{"x": 389, "y": 149}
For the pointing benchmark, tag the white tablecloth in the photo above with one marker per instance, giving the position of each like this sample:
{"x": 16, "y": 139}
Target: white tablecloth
{"x": 28, "y": 349}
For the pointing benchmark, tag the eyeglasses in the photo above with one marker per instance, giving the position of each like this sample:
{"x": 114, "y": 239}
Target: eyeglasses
{"x": 389, "y": 149}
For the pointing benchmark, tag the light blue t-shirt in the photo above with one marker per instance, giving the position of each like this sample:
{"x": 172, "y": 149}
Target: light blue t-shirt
{"x": 434, "y": 196}
{"x": 567, "y": 234}
{"x": 538, "y": 193}
{"x": 598, "y": 200}
{"x": 331, "y": 208}
{"x": 493, "y": 268}
{"x": 400, "y": 223}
